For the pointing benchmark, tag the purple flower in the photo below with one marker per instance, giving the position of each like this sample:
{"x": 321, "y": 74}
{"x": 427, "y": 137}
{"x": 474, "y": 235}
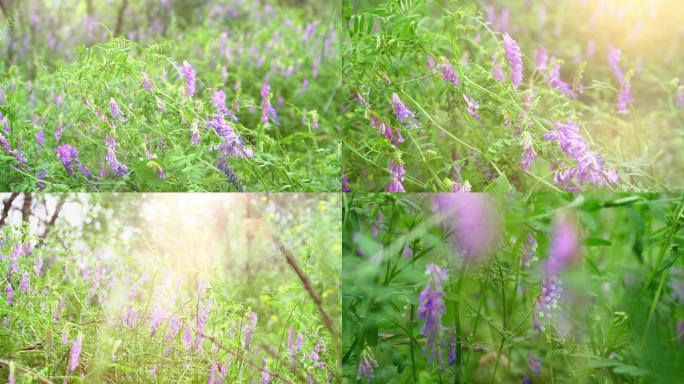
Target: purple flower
{"x": 534, "y": 363}
{"x": 114, "y": 107}
{"x": 345, "y": 184}
{"x": 4, "y": 144}
{"x": 24, "y": 284}
{"x": 529, "y": 154}
{"x": 400, "y": 111}
{"x": 541, "y": 59}
{"x": 397, "y": 172}
{"x": 40, "y": 137}
{"x": 452, "y": 354}
{"x": 249, "y": 330}
{"x": 194, "y": 134}
{"x": 472, "y": 107}
{"x": 529, "y": 251}
{"x": 9, "y": 291}
{"x": 267, "y": 110}
{"x": 68, "y": 155}
{"x": 625, "y": 96}
{"x": 359, "y": 98}
{"x": 147, "y": 84}
{"x": 448, "y": 72}
{"x": 10, "y": 378}
{"x": 114, "y": 164}
{"x": 188, "y": 72}
{"x": 75, "y": 354}
{"x": 59, "y": 130}
{"x": 555, "y": 81}
{"x": 2, "y": 97}
{"x": 498, "y": 72}
{"x": 38, "y": 266}
{"x": 290, "y": 343}
{"x": 590, "y": 167}
{"x": 547, "y": 302}
{"x": 407, "y": 253}
{"x": 565, "y": 246}
{"x": 219, "y": 101}
{"x": 156, "y": 319}
{"x": 471, "y": 222}
{"x": 367, "y": 365}
{"x": 431, "y": 310}
{"x": 187, "y": 337}
{"x": 515, "y": 63}
{"x": 265, "y": 375}
{"x": 614, "y": 59}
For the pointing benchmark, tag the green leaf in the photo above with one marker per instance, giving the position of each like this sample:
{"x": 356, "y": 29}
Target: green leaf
{"x": 596, "y": 242}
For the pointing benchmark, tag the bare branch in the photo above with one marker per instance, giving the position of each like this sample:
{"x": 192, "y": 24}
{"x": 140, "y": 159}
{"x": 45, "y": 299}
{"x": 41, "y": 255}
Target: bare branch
{"x": 53, "y": 219}
{"x": 307, "y": 286}
{"x": 6, "y": 208}
{"x": 26, "y": 208}
{"x": 27, "y": 371}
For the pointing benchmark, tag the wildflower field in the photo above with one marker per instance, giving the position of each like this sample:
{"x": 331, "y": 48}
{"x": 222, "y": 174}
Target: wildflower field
{"x": 513, "y": 95}
{"x": 170, "y": 289}
{"x": 540, "y": 288}
{"x": 169, "y": 96}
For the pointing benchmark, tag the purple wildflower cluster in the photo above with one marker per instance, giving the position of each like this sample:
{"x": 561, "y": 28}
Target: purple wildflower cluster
{"x": 267, "y": 110}
{"x": 470, "y": 221}
{"x": 448, "y": 73}
{"x": 385, "y": 130}
{"x": 471, "y": 107}
{"x": 565, "y": 246}
{"x": 431, "y": 310}
{"x": 4, "y": 144}
{"x": 624, "y": 98}
{"x": 400, "y": 111}
{"x": 75, "y": 353}
{"x": 367, "y": 365}
{"x": 68, "y": 155}
{"x": 188, "y": 73}
{"x": 114, "y": 164}
{"x": 397, "y": 172}
{"x": 589, "y": 166}
{"x": 515, "y": 62}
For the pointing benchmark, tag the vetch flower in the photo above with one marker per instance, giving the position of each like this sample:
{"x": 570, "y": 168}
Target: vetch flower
{"x": 147, "y": 84}
{"x": 75, "y": 353}
{"x": 38, "y": 266}
{"x": 565, "y": 245}
{"x": 547, "y": 302}
{"x": 529, "y": 251}
{"x": 219, "y": 101}
{"x": 515, "y": 63}
{"x": 345, "y": 184}
{"x": 397, "y": 172}
{"x": 625, "y": 98}
{"x": 471, "y": 222}
{"x": 24, "y": 284}
{"x": 614, "y": 60}
{"x": 267, "y": 110}
{"x": 541, "y": 59}
{"x": 68, "y": 155}
{"x": 249, "y": 330}
{"x": 400, "y": 111}
{"x": 114, "y": 164}
{"x": 590, "y": 167}
{"x": 367, "y": 365}
{"x": 114, "y": 107}
{"x": 9, "y": 291}
{"x": 265, "y": 375}
{"x": 40, "y": 137}
{"x": 555, "y": 81}
{"x": 497, "y": 71}
{"x": 188, "y": 73}
{"x": 4, "y": 144}
{"x": 534, "y": 363}
{"x": 156, "y": 319}
{"x": 471, "y": 107}
{"x": 448, "y": 72}
{"x": 431, "y": 310}
{"x": 529, "y": 154}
